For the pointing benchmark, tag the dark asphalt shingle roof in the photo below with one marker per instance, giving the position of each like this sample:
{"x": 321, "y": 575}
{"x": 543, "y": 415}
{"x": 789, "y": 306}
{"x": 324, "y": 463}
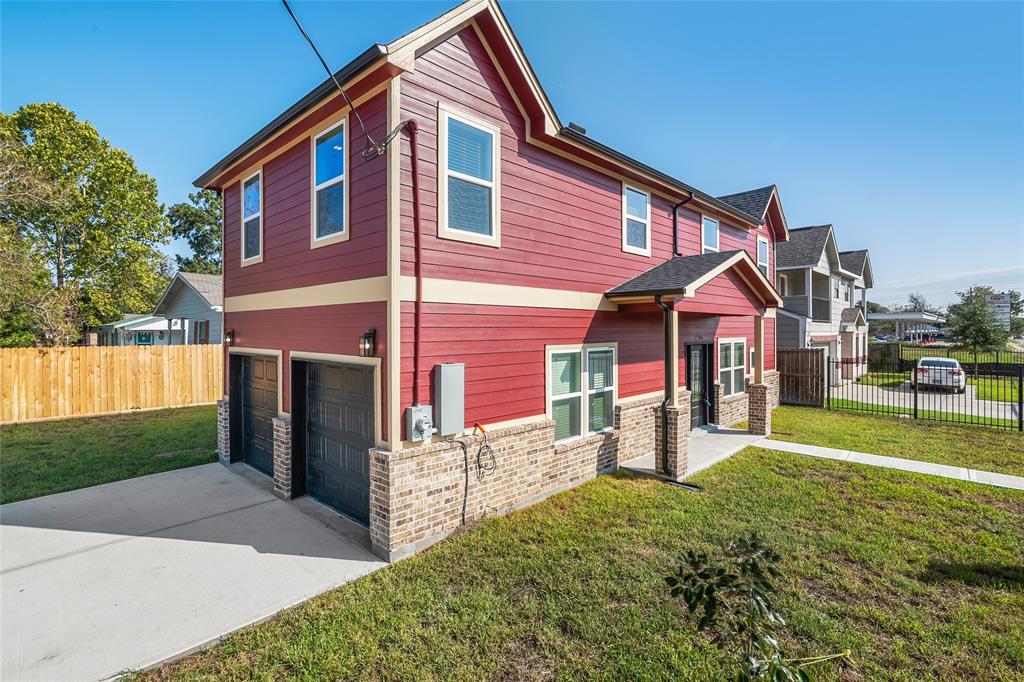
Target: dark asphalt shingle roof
{"x": 673, "y": 275}
{"x": 849, "y": 315}
{"x": 752, "y": 202}
{"x": 210, "y": 287}
{"x": 803, "y": 248}
{"x": 853, "y": 261}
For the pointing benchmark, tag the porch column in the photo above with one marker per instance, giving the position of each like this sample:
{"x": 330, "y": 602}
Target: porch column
{"x": 759, "y": 349}
{"x": 674, "y": 370}
{"x": 759, "y": 414}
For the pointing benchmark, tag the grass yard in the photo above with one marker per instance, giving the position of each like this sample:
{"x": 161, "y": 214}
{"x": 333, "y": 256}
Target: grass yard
{"x": 915, "y": 352}
{"x": 50, "y": 457}
{"x": 996, "y": 388}
{"x": 886, "y": 379}
{"x": 920, "y": 577}
{"x": 959, "y": 445}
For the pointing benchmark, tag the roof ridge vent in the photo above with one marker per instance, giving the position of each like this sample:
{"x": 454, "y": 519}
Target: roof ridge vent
{"x": 577, "y": 127}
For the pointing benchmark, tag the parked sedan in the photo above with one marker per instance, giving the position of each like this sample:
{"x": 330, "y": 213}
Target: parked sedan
{"x": 940, "y": 373}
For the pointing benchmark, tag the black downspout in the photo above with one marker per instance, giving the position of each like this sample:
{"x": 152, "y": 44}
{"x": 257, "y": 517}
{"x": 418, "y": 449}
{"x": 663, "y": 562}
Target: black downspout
{"x": 675, "y": 224}
{"x": 667, "y": 311}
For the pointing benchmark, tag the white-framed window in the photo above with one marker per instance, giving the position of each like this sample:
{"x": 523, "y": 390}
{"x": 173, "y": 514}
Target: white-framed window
{"x": 581, "y": 389}
{"x": 732, "y": 366}
{"x": 636, "y": 220}
{"x": 252, "y": 218}
{"x": 846, "y": 291}
{"x": 708, "y": 235}
{"x": 330, "y": 196}
{"x": 762, "y": 255}
{"x": 783, "y": 285}
{"x": 469, "y": 158}
{"x": 835, "y": 287}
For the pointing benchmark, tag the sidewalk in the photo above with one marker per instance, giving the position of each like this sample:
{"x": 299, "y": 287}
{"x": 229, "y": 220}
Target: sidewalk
{"x": 916, "y": 466}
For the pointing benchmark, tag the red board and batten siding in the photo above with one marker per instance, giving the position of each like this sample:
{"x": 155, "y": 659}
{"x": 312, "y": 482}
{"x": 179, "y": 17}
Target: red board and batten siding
{"x": 561, "y": 228}
{"x": 288, "y": 260}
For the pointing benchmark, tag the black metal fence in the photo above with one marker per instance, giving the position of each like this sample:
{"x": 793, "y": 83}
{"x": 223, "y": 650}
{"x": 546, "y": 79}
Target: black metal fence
{"x": 940, "y": 384}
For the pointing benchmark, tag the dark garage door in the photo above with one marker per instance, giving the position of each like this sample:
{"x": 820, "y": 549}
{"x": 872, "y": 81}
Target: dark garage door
{"x": 259, "y": 407}
{"x": 339, "y": 435}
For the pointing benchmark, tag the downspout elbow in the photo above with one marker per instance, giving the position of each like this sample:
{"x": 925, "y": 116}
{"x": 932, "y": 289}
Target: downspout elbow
{"x": 675, "y": 224}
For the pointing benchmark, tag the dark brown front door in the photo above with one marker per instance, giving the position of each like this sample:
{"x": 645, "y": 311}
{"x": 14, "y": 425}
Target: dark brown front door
{"x": 340, "y": 428}
{"x": 259, "y": 407}
{"x": 697, "y": 384}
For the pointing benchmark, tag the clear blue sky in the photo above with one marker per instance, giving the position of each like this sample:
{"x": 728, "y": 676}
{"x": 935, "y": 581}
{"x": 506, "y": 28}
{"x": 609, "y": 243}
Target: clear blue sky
{"x": 900, "y": 123}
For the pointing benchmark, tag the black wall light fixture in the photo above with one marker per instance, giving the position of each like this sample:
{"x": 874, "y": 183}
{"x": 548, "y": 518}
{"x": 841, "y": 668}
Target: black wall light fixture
{"x": 368, "y": 343}
{"x": 229, "y": 337}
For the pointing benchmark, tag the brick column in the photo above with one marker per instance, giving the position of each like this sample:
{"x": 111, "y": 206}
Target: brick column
{"x": 759, "y": 410}
{"x": 224, "y": 431}
{"x": 678, "y": 435}
{"x": 283, "y": 456}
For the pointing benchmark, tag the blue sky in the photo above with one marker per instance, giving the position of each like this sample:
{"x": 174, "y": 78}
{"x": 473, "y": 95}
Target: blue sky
{"x": 900, "y": 123}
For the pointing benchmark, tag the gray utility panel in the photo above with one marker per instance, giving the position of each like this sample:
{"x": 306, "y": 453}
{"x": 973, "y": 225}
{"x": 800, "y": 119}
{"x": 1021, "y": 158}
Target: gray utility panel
{"x": 450, "y": 398}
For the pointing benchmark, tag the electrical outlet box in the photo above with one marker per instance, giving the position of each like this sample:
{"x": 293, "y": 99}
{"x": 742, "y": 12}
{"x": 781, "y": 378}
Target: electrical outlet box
{"x": 420, "y": 422}
{"x": 450, "y": 397}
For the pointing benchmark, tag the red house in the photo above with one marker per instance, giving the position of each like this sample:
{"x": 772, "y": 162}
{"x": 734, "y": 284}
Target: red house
{"x": 487, "y": 267}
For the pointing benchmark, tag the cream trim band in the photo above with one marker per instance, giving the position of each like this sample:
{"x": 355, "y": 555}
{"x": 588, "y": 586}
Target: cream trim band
{"x": 366, "y": 290}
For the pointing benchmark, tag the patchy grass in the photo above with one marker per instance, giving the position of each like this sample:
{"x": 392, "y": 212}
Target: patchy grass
{"x": 977, "y": 448}
{"x": 919, "y": 576}
{"x": 50, "y": 457}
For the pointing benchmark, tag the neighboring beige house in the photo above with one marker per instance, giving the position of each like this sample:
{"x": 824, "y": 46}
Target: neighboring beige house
{"x": 824, "y": 291}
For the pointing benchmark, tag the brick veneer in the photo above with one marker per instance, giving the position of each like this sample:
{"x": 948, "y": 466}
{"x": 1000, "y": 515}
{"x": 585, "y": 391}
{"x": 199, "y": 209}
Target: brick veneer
{"x": 731, "y": 409}
{"x": 283, "y": 456}
{"x": 760, "y": 420}
{"x": 678, "y": 419}
{"x": 417, "y": 494}
{"x": 224, "y": 431}
{"x": 771, "y": 380}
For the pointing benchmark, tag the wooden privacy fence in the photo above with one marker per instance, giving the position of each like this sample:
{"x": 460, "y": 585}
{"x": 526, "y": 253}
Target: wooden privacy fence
{"x": 51, "y": 383}
{"x": 801, "y": 376}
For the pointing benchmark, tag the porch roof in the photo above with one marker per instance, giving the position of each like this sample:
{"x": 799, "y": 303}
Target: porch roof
{"x": 684, "y": 275}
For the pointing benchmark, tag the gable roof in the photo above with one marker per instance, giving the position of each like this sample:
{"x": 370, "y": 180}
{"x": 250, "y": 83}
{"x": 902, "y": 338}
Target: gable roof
{"x": 853, "y": 261}
{"x": 804, "y": 247}
{"x": 753, "y": 201}
{"x": 683, "y": 275}
{"x": 851, "y": 316}
{"x": 399, "y": 55}
{"x": 210, "y": 288}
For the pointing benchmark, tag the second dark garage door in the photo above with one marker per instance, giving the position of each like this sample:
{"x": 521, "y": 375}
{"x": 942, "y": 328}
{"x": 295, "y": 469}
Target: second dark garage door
{"x": 339, "y": 434}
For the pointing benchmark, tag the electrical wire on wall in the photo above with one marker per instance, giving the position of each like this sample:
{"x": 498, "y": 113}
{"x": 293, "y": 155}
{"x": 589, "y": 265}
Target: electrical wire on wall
{"x": 372, "y": 149}
{"x": 486, "y": 464}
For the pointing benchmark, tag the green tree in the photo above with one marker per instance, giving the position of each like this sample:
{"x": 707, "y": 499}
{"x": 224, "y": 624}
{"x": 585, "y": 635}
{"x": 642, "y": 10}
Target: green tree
{"x": 199, "y": 223}
{"x": 973, "y": 324}
{"x": 100, "y": 241}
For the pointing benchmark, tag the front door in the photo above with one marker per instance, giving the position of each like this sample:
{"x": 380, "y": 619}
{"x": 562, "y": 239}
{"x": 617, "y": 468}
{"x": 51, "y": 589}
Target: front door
{"x": 259, "y": 407}
{"x": 340, "y": 431}
{"x": 697, "y": 384}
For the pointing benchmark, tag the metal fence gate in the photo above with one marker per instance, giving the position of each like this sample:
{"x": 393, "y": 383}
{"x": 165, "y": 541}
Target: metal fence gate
{"x": 938, "y": 384}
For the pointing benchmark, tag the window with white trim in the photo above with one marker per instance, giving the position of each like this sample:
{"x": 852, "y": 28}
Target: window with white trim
{"x": 732, "y": 366}
{"x": 468, "y": 155}
{"x": 582, "y": 390}
{"x": 835, "y": 287}
{"x": 252, "y": 217}
{"x": 846, "y": 291}
{"x": 709, "y": 235}
{"x": 636, "y": 221}
{"x": 329, "y": 183}
{"x": 783, "y": 285}
{"x": 762, "y": 255}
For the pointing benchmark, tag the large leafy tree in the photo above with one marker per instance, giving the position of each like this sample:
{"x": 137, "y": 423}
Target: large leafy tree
{"x": 199, "y": 223}
{"x": 100, "y": 240}
{"x": 973, "y": 323}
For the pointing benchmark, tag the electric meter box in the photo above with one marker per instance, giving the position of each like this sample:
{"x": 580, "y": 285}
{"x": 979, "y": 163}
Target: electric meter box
{"x": 450, "y": 398}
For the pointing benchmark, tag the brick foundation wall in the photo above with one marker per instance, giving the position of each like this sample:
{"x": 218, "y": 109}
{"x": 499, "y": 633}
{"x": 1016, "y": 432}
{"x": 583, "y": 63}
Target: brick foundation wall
{"x": 760, "y": 409}
{"x": 771, "y": 380}
{"x": 678, "y": 438}
{"x": 283, "y": 456}
{"x": 729, "y": 410}
{"x": 224, "y": 431}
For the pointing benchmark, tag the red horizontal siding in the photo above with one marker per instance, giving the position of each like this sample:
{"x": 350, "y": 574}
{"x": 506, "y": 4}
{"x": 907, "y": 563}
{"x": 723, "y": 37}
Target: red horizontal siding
{"x": 317, "y": 329}
{"x": 288, "y": 260}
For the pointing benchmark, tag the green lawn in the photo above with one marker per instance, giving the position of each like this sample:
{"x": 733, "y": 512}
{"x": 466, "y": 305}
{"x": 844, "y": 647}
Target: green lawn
{"x": 987, "y": 449}
{"x": 887, "y": 379}
{"x": 932, "y": 416}
{"x": 915, "y": 352}
{"x": 919, "y": 576}
{"x": 996, "y": 388}
{"x": 51, "y": 457}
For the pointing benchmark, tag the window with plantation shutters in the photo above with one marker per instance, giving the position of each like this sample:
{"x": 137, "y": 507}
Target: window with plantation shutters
{"x": 468, "y": 157}
{"x": 581, "y": 391}
{"x": 732, "y": 366}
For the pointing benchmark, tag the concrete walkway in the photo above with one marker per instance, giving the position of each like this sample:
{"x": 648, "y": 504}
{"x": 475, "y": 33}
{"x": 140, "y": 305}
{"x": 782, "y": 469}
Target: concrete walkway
{"x": 706, "y": 446}
{"x": 127, "y": 574}
{"x": 916, "y": 466}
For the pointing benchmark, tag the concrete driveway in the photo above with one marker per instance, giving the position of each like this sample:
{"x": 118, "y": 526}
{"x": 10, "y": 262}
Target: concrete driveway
{"x": 127, "y": 574}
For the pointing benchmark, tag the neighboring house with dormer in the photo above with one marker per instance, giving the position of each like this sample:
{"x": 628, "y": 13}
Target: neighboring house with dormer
{"x": 193, "y": 303}
{"x": 824, "y": 293}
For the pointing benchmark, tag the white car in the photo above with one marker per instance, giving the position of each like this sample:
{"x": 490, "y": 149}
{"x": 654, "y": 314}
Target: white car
{"x": 940, "y": 373}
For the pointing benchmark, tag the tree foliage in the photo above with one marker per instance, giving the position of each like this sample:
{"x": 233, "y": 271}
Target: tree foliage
{"x": 99, "y": 224}
{"x": 973, "y": 323}
{"x": 199, "y": 223}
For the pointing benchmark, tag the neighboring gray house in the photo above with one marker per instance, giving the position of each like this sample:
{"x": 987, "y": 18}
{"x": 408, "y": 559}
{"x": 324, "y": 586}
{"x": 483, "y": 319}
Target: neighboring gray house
{"x": 824, "y": 291}
{"x": 195, "y": 304}
{"x": 139, "y": 329}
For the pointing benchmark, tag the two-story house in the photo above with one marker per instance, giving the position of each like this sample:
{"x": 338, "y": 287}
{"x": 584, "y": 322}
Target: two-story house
{"x": 490, "y": 307}
{"x": 825, "y": 297}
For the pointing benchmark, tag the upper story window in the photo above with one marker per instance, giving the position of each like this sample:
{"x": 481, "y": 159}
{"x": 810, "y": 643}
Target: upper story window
{"x": 581, "y": 396}
{"x": 835, "y": 287}
{"x": 762, "y": 255}
{"x": 636, "y": 221}
{"x": 783, "y": 285}
{"x": 846, "y": 291}
{"x": 252, "y": 219}
{"x": 732, "y": 366}
{"x": 329, "y": 205}
{"x": 469, "y": 159}
{"x": 709, "y": 235}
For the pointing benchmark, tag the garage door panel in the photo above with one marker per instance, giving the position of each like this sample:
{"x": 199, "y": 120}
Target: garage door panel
{"x": 259, "y": 407}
